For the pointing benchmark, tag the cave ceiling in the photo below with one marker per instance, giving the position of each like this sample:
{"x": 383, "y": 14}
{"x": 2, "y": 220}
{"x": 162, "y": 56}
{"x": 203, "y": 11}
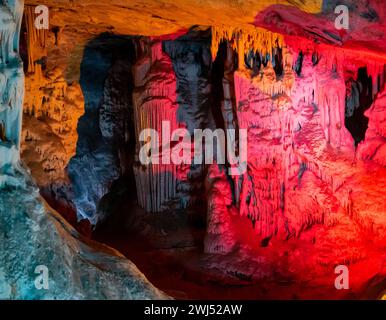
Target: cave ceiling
{"x": 80, "y": 21}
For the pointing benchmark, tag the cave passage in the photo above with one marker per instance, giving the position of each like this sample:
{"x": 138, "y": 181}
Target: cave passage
{"x": 23, "y": 46}
{"x": 106, "y": 140}
{"x": 358, "y": 100}
{"x": 173, "y": 240}
{"x": 217, "y": 95}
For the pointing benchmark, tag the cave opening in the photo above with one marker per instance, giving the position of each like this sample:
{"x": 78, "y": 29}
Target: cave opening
{"x": 359, "y": 98}
{"x": 253, "y": 62}
{"x": 299, "y": 63}
{"x": 23, "y": 46}
{"x": 277, "y": 60}
{"x": 169, "y": 245}
{"x": 223, "y": 92}
{"x": 162, "y": 243}
{"x": 218, "y": 68}
{"x": 106, "y": 134}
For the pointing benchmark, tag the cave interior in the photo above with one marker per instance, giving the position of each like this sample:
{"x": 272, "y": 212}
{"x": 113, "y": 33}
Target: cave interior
{"x": 310, "y": 98}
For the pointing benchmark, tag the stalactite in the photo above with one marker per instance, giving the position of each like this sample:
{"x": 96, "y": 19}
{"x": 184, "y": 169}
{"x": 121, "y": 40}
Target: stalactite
{"x": 36, "y": 41}
{"x": 154, "y": 101}
{"x": 289, "y": 129}
{"x": 257, "y": 39}
{"x": 265, "y": 44}
{"x": 10, "y": 13}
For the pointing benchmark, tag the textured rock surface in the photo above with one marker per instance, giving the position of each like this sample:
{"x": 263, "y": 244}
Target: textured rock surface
{"x": 51, "y": 112}
{"x": 220, "y": 234}
{"x": 190, "y": 56}
{"x": 103, "y": 128}
{"x": 32, "y": 234}
{"x": 11, "y": 87}
{"x": 154, "y": 101}
{"x": 52, "y": 108}
{"x": 312, "y": 196}
{"x": 296, "y": 135}
{"x": 373, "y": 147}
{"x": 79, "y": 21}
{"x": 172, "y": 86}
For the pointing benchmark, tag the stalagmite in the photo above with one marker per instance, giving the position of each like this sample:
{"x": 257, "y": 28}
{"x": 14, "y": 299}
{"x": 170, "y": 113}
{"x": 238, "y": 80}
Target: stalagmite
{"x": 220, "y": 236}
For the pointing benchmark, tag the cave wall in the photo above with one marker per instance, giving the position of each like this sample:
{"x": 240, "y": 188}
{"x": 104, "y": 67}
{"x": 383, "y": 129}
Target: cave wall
{"x": 154, "y": 101}
{"x": 310, "y": 177}
{"x": 304, "y": 167}
{"x": 52, "y": 108}
{"x": 282, "y": 114}
{"x": 293, "y": 107}
{"x": 103, "y": 130}
{"x": 173, "y": 85}
{"x": 33, "y": 235}
{"x": 373, "y": 147}
{"x": 11, "y": 89}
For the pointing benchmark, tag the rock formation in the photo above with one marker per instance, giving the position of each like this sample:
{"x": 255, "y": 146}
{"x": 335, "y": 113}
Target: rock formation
{"x": 33, "y": 235}
{"x": 307, "y": 98}
{"x": 11, "y": 89}
{"x": 297, "y": 136}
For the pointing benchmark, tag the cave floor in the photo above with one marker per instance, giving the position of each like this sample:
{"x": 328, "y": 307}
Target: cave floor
{"x": 168, "y": 249}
